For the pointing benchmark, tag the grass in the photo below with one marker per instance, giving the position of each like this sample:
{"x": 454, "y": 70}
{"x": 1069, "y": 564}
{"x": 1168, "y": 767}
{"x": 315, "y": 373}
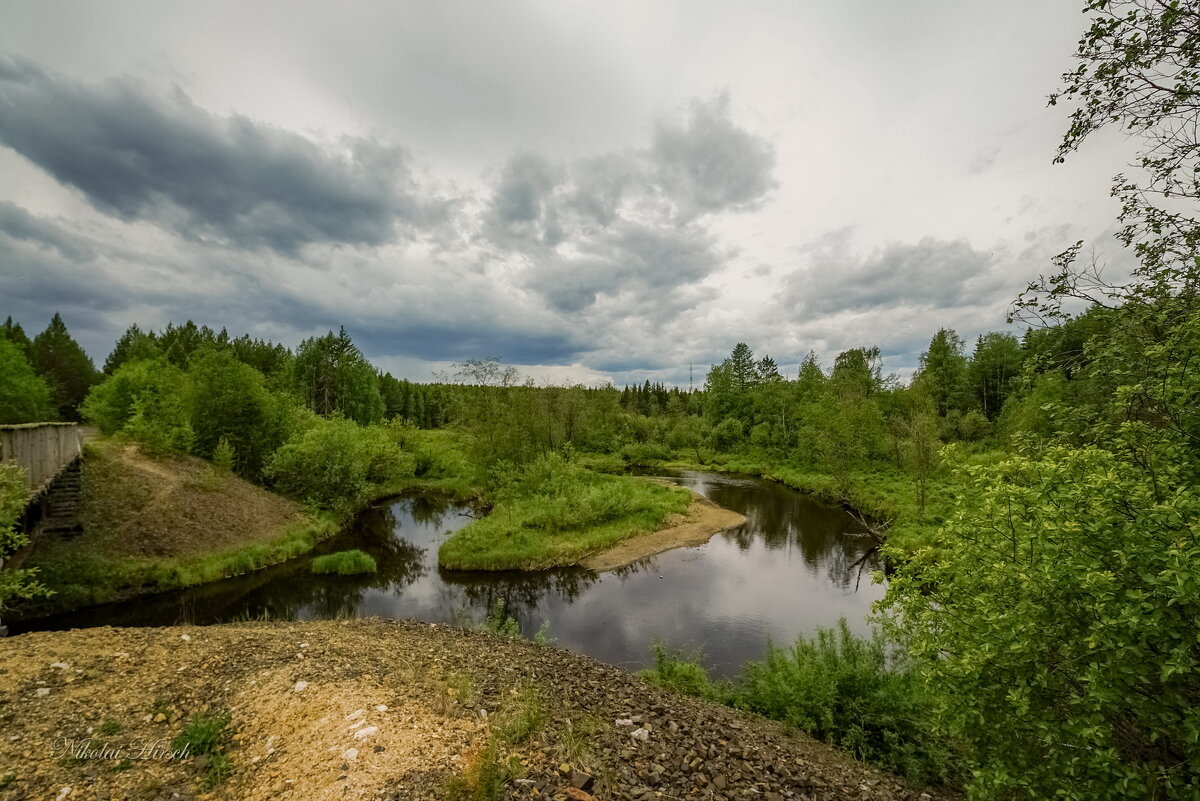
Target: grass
{"x": 849, "y": 691}
{"x": 344, "y": 563}
{"x": 488, "y": 772}
{"x": 207, "y": 734}
{"x": 880, "y": 490}
{"x": 150, "y": 527}
{"x": 82, "y": 573}
{"x": 555, "y": 513}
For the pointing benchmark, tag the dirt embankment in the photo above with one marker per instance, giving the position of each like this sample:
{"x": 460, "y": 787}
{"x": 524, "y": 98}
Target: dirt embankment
{"x": 377, "y": 709}
{"x": 144, "y": 506}
{"x": 700, "y": 523}
{"x": 150, "y": 524}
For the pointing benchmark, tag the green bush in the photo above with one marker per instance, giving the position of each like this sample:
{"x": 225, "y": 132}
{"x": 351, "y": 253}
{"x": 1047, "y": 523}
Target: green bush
{"x": 13, "y": 495}
{"x": 846, "y": 690}
{"x": 344, "y": 563}
{"x": 552, "y": 511}
{"x": 1058, "y": 620}
{"x": 146, "y": 400}
{"x": 337, "y": 464}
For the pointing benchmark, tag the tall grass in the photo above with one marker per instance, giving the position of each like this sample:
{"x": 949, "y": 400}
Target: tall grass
{"x": 555, "y": 512}
{"x": 344, "y": 563}
{"x": 87, "y": 575}
{"x": 851, "y": 692}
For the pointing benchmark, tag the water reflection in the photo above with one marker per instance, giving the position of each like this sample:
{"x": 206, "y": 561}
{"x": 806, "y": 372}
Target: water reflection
{"x": 790, "y": 568}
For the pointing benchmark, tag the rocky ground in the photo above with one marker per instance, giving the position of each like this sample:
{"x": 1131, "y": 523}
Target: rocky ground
{"x": 381, "y": 710}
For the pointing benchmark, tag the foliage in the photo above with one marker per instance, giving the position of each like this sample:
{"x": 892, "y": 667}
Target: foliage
{"x": 223, "y": 457}
{"x": 14, "y": 584}
{"x": 336, "y": 464}
{"x": 845, "y": 690}
{"x": 943, "y": 371}
{"x": 24, "y": 395}
{"x": 146, "y": 400}
{"x": 1060, "y": 622}
{"x": 344, "y": 563}
{"x": 133, "y": 345}
{"x": 499, "y": 623}
{"x": 553, "y": 511}
{"x": 229, "y": 401}
{"x": 207, "y": 734}
{"x": 332, "y": 376}
{"x": 66, "y": 367}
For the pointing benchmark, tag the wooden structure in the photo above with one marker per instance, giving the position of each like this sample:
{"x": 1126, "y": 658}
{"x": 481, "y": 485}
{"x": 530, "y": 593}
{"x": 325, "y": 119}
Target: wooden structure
{"x": 43, "y": 449}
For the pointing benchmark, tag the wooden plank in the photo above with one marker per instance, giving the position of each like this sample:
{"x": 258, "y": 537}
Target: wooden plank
{"x": 43, "y": 449}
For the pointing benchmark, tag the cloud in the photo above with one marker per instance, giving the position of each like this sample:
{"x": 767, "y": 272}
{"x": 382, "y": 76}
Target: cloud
{"x": 139, "y": 155}
{"x": 709, "y": 164}
{"x": 933, "y": 273}
{"x": 19, "y": 224}
{"x": 627, "y": 224}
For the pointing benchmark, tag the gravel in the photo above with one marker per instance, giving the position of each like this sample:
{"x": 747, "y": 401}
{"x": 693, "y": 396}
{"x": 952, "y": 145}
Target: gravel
{"x": 421, "y": 698}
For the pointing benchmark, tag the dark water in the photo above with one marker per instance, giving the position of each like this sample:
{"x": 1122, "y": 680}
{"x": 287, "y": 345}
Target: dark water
{"x": 789, "y": 569}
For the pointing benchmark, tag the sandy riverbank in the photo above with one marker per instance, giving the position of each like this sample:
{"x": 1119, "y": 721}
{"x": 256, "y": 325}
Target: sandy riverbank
{"x": 702, "y": 521}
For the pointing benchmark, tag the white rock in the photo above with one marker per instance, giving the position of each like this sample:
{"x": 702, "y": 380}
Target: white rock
{"x": 363, "y": 734}
{"x": 350, "y": 754}
{"x": 63, "y": 793}
{"x": 381, "y": 708}
{"x": 640, "y": 734}
{"x": 43, "y": 691}
{"x": 185, "y": 638}
{"x": 60, "y": 665}
{"x": 300, "y": 687}
{"x": 356, "y": 714}
{"x": 624, "y": 722}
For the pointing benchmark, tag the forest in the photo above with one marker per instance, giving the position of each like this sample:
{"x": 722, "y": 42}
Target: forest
{"x": 1035, "y": 491}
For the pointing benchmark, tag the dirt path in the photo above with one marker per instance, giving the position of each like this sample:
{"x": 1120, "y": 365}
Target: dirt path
{"x": 702, "y": 521}
{"x": 376, "y": 709}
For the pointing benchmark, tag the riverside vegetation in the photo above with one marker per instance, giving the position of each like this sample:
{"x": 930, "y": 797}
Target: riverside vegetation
{"x": 1038, "y": 494}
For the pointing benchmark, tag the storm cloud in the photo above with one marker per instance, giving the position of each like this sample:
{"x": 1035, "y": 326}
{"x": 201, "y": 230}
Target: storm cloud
{"x": 617, "y": 191}
{"x": 142, "y": 155}
{"x": 934, "y": 273}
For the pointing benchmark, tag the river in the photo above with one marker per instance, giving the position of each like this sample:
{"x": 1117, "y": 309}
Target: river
{"x": 792, "y": 567}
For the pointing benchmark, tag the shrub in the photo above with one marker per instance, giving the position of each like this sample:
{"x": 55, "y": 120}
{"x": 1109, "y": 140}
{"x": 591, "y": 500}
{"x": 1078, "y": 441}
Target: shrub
{"x": 336, "y": 464}
{"x": 14, "y": 583}
{"x": 1058, "y": 618}
{"x": 846, "y": 690}
{"x": 146, "y": 400}
{"x": 344, "y": 563}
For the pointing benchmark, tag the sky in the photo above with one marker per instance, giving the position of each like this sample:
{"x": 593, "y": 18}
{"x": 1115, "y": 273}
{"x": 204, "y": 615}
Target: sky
{"x": 616, "y": 191}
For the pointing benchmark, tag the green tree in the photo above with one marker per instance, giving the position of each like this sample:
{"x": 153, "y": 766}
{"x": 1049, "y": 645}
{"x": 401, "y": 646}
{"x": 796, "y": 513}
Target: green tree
{"x": 66, "y": 367}
{"x": 146, "y": 400}
{"x": 994, "y": 368}
{"x": 133, "y": 345}
{"x": 229, "y": 400}
{"x": 13, "y": 332}
{"x": 921, "y": 447}
{"x": 24, "y": 395}
{"x": 1139, "y": 71}
{"x": 943, "y": 371}
{"x": 332, "y": 375}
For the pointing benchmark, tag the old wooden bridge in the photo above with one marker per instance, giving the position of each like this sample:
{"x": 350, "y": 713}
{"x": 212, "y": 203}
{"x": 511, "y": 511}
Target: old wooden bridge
{"x": 50, "y": 455}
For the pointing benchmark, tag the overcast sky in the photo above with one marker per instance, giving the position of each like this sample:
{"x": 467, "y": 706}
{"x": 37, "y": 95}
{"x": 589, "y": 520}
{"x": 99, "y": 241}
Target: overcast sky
{"x": 609, "y": 190}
